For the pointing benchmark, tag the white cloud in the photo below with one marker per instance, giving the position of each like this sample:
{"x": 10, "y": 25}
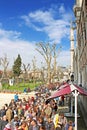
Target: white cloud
{"x": 61, "y": 9}
{"x": 55, "y": 28}
{"x": 40, "y": 16}
{"x": 12, "y": 45}
{"x": 64, "y": 58}
{"x": 9, "y": 34}
{"x": 27, "y": 51}
{"x": 26, "y": 18}
{"x": 11, "y": 48}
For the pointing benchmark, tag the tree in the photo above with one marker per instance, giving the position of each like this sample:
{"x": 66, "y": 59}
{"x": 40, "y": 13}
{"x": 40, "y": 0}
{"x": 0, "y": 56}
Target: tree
{"x": 48, "y": 52}
{"x": 4, "y": 63}
{"x": 42, "y": 72}
{"x": 34, "y": 69}
{"x": 17, "y": 66}
{"x": 56, "y": 52}
{"x": 60, "y": 73}
{"x": 26, "y": 68}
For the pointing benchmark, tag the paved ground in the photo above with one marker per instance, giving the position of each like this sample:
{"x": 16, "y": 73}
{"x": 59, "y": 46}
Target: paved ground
{"x": 6, "y": 97}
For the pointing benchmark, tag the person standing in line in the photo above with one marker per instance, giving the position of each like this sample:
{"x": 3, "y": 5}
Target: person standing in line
{"x": 7, "y": 127}
{"x": 16, "y": 97}
{"x": 3, "y": 122}
{"x": 9, "y": 114}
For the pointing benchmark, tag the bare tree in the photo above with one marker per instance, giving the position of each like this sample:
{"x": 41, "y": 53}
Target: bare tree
{"x": 34, "y": 68}
{"x": 26, "y": 68}
{"x": 4, "y": 63}
{"x": 56, "y": 52}
{"x": 60, "y": 73}
{"x": 42, "y": 72}
{"x": 48, "y": 52}
{"x": 45, "y": 50}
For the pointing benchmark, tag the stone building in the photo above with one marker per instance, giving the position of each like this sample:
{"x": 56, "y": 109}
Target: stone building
{"x": 80, "y": 53}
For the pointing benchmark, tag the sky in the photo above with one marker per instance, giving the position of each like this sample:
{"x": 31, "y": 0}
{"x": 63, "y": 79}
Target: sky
{"x": 23, "y": 23}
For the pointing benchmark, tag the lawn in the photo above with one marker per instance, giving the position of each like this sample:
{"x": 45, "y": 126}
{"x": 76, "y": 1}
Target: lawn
{"x": 19, "y": 87}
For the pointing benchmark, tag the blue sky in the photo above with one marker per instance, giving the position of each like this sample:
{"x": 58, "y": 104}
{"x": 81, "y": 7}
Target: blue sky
{"x": 26, "y": 22}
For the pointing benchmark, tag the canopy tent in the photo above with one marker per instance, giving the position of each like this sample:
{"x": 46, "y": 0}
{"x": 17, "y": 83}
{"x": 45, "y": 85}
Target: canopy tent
{"x": 67, "y": 89}
{"x": 63, "y": 85}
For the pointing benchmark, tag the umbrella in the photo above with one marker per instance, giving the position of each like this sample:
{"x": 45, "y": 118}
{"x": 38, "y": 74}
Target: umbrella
{"x": 67, "y": 89}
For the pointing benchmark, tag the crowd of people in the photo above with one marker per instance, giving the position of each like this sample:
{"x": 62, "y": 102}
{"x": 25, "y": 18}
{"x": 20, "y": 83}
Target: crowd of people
{"x": 33, "y": 113}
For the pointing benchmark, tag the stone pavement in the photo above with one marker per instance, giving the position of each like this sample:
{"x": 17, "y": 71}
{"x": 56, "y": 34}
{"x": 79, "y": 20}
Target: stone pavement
{"x": 6, "y": 97}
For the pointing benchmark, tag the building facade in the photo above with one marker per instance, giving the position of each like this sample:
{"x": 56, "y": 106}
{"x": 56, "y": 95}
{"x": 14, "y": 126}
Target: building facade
{"x": 80, "y": 53}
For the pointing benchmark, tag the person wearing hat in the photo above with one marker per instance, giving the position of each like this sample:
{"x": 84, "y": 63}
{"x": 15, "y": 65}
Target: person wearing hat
{"x": 14, "y": 121}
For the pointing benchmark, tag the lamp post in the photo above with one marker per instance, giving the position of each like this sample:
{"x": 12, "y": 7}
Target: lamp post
{"x": 75, "y": 94}
{"x": 72, "y": 77}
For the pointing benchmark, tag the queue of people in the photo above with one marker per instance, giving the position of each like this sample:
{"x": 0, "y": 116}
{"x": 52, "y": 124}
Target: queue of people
{"x": 33, "y": 114}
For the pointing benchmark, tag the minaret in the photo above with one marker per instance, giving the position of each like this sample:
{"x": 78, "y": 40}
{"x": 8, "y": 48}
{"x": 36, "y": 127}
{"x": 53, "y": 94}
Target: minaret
{"x": 72, "y": 46}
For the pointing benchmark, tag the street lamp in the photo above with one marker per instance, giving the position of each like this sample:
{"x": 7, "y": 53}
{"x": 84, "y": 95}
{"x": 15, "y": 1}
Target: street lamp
{"x": 72, "y": 77}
